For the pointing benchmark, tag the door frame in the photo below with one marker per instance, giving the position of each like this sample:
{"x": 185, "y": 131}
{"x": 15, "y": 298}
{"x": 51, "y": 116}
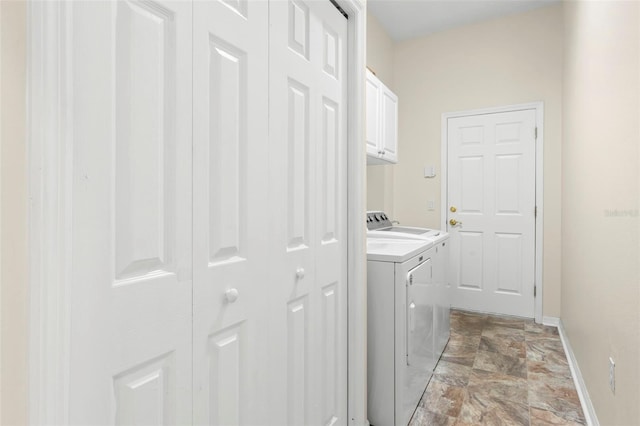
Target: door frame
{"x": 539, "y": 190}
{"x": 50, "y": 187}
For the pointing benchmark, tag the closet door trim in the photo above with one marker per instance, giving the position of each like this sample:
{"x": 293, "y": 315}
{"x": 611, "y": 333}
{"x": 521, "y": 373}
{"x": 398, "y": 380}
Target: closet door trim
{"x": 356, "y": 206}
{"x": 49, "y": 157}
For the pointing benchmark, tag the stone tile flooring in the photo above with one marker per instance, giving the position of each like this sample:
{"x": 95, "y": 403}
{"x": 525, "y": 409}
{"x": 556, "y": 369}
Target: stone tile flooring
{"x": 500, "y": 371}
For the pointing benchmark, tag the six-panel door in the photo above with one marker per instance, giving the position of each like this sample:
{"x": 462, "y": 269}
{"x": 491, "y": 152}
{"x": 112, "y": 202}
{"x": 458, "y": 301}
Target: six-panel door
{"x": 491, "y": 187}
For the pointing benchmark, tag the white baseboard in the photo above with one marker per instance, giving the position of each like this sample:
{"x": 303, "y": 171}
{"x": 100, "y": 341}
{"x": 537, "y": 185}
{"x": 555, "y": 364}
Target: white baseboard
{"x": 551, "y": 321}
{"x": 581, "y": 387}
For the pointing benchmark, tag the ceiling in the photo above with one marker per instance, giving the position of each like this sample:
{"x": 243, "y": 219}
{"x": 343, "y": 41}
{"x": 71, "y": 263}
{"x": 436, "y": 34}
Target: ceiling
{"x": 406, "y": 19}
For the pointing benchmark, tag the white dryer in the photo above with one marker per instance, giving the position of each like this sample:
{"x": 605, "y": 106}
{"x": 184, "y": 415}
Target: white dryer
{"x": 400, "y": 313}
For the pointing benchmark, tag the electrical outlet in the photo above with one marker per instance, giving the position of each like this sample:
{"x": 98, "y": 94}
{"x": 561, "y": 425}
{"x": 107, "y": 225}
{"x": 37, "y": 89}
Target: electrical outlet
{"x": 612, "y": 375}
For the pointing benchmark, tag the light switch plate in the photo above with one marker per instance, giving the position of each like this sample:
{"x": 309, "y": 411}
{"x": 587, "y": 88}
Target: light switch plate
{"x": 429, "y": 171}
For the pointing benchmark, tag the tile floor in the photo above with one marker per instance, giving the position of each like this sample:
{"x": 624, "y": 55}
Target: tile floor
{"x": 500, "y": 371}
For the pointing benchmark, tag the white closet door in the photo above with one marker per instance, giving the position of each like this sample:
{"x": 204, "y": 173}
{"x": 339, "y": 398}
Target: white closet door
{"x": 308, "y": 110}
{"x": 130, "y": 302}
{"x": 231, "y": 284}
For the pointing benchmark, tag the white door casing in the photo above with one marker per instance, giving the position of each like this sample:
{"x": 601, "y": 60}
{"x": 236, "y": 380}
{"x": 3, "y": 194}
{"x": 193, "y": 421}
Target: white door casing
{"x": 231, "y": 245}
{"x": 308, "y": 151}
{"x": 130, "y": 294}
{"x": 491, "y": 182}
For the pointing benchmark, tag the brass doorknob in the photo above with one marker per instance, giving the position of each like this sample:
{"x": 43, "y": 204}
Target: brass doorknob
{"x": 453, "y": 209}
{"x": 454, "y": 222}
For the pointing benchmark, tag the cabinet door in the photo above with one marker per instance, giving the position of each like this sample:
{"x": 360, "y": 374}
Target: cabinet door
{"x": 421, "y": 359}
{"x": 389, "y": 131}
{"x": 230, "y": 128}
{"x": 373, "y": 92}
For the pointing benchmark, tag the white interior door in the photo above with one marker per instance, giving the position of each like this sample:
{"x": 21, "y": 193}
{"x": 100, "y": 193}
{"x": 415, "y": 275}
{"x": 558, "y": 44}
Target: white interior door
{"x": 491, "y": 187}
{"x": 231, "y": 244}
{"x": 130, "y": 303}
{"x": 308, "y": 143}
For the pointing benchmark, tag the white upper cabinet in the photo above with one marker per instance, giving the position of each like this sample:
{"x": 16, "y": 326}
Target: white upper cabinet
{"x": 382, "y": 122}
{"x": 373, "y": 115}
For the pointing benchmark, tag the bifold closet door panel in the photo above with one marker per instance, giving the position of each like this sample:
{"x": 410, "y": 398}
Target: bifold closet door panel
{"x": 231, "y": 246}
{"x": 307, "y": 112}
{"x": 130, "y": 295}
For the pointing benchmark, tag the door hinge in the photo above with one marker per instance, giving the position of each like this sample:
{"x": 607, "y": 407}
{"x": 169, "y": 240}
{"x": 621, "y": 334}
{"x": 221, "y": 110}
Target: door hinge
{"x": 535, "y": 288}
{"x": 535, "y": 211}
{"x": 535, "y": 133}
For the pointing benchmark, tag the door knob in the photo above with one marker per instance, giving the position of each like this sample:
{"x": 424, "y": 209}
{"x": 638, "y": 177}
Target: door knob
{"x": 454, "y": 222}
{"x": 231, "y": 295}
{"x": 300, "y": 273}
{"x": 453, "y": 209}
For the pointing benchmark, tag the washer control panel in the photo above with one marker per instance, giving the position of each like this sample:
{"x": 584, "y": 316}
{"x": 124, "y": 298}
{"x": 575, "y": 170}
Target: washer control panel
{"x": 377, "y": 220}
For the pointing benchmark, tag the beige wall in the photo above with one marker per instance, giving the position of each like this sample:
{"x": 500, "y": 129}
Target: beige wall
{"x": 13, "y": 190}
{"x": 510, "y": 60}
{"x": 380, "y": 50}
{"x": 600, "y": 279}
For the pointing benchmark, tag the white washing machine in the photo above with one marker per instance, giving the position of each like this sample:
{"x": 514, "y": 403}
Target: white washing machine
{"x": 380, "y": 226}
{"x": 400, "y": 314}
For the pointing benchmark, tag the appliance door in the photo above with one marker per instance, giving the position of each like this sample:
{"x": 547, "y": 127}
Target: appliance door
{"x": 421, "y": 358}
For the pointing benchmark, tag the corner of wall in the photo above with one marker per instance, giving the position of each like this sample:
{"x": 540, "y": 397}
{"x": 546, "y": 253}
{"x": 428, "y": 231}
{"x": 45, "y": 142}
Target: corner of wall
{"x": 380, "y": 51}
